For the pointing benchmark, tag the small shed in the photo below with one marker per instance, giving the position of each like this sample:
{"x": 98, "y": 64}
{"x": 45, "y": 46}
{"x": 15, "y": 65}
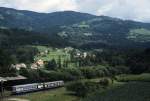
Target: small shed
{"x": 2, "y": 79}
{"x": 19, "y": 77}
{"x": 7, "y": 82}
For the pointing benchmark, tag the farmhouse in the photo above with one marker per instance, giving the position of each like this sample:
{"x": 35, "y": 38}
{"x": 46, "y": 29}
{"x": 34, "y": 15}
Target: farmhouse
{"x": 68, "y": 49}
{"x": 34, "y": 66}
{"x": 38, "y": 64}
{"x": 19, "y": 66}
{"x": 85, "y": 54}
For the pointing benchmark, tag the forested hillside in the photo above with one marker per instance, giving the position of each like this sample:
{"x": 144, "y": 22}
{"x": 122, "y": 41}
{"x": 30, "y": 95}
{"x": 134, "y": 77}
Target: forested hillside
{"x": 18, "y": 37}
{"x": 79, "y": 29}
{"x": 39, "y": 22}
{"x": 107, "y": 32}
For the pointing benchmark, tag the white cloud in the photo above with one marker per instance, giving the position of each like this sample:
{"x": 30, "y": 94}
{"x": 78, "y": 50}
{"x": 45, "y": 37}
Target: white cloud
{"x": 126, "y": 9}
{"x": 40, "y": 5}
{"x": 136, "y": 9}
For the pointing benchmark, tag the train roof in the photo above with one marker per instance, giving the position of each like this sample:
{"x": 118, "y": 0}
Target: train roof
{"x": 54, "y": 81}
{"x": 2, "y": 79}
{"x": 26, "y": 85}
{"x": 36, "y": 83}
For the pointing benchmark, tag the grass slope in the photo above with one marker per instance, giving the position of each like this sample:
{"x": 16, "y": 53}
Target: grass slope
{"x": 59, "y": 94}
{"x": 139, "y": 35}
{"x": 142, "y": 77}
{"x": 132, "y": 91}
{"x": 52, "y": 54}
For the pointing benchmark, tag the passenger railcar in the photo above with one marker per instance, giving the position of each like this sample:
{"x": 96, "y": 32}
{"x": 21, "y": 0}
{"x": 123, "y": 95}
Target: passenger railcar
{"x": 53, "y": 84}
{"x": 25, "y": 88}
{"x": 36, "y": 86}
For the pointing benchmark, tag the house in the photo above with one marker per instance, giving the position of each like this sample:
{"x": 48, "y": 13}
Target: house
{"x": 40, "y": 62}
{"x": 34, "y": 66}
{"x": 85, "y": 55}
{"x": 68, "y": 49}
{"x": 19, "y": 66}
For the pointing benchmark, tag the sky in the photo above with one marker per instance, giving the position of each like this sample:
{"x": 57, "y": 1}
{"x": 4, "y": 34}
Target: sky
{"x": 138, "y": 10}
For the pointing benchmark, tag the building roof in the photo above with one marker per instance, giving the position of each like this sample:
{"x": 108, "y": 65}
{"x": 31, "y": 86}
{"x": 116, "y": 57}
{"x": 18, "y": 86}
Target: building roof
{"x": 19, "y": 77}
{"x": 2, "y": 79}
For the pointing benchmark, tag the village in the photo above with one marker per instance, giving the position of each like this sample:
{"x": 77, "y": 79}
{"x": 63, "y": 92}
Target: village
{"x": 47, "y": 54}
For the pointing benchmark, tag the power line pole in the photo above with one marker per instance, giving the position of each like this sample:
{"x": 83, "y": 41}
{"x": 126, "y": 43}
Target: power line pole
{"x": 1, "y": 84}
{"x": 2, "y": 88}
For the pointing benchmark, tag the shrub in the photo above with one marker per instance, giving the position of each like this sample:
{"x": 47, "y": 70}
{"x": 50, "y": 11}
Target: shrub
{"x": 88, "y": 72}
{"x": 82, "y": 88}
{"x": 105, "y": 82}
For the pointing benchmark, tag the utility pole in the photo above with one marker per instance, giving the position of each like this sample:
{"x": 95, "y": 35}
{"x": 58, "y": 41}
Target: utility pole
{"x": 2, "y": 88}
{"x": 1, "y": 84}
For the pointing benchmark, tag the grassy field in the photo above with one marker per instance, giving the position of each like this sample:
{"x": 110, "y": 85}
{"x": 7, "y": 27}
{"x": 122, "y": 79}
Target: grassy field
{"x": 131, "y": 91}
{"x": 59, "y": 94}
{"x": 142, "y": 35}
{"x": 126, "y": 88}
{"x": 137, "y": 88}
{"x": 142, "y": 77}
{"x": 52, "y": 54}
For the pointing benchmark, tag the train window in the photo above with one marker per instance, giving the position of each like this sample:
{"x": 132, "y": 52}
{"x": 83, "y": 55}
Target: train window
{"x": 40, "y": 86}
{"x": 45, "y": 85}
{"x": 56, "y": 84}
{"x": 19, "y": 89}
{"x": 52, "y": 84}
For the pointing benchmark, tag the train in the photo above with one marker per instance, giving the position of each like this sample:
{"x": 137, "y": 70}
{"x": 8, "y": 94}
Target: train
{"x": 18, "y": 89}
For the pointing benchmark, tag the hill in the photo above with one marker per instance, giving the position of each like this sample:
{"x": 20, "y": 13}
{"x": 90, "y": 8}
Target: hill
{"x": 39, "y": 22}
{"x": 19, "y": 37}
{"x": 105, "y": 31}
{"x": 80, "y": 30}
